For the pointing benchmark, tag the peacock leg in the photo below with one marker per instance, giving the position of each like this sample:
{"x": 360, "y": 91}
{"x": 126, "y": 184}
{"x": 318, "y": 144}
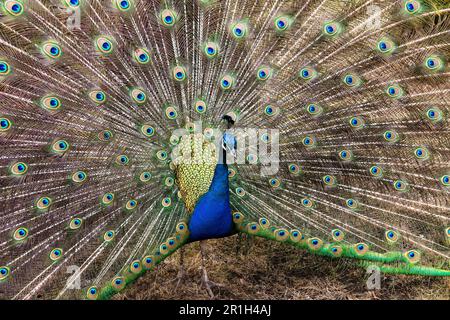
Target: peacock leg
{"x": 205, "y": 279}
{"x": 181, "y": 271}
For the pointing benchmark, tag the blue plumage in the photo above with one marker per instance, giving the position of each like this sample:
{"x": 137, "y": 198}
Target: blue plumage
{"x": 212, "y": 214}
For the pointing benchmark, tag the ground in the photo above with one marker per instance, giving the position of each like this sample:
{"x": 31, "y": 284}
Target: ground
{"x": 262, "y": 269}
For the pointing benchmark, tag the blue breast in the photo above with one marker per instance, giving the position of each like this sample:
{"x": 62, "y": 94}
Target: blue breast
{"x": 212, "y": 214}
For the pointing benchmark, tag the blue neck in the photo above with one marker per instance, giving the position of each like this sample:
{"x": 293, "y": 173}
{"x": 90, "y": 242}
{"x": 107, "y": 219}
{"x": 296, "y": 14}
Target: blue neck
{"x": 212, "y": 214}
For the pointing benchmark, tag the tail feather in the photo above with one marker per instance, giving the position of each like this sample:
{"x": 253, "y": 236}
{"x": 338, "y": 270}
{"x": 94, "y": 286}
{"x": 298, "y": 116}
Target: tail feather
{"x": 92, "y": 93}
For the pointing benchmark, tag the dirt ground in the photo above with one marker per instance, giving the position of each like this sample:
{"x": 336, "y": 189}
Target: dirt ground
{"x": 262, "y": 269}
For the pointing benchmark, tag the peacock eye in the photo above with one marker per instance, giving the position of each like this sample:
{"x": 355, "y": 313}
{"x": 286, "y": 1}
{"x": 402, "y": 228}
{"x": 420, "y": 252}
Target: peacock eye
{"x": 211, "y": 49}
{"x": 56, "y": 254}
{"x": 123, "y": 5}
{"x": 182, "y": 228}
{"x": 274, "y": 183}
{"x": 412, "y": 256}
{"x": 166, "y": 202}
{"x": 386, "y": 46}
{"x": 79, "y": 177}
{"x": 168, "y": 17}
{"x": 239, "y": 30}
{"x": 135, "y": 267}
{"x": 337, "y": 235}
{"x": 295, "y": 235}
{"x": 240, "y": 191}
{"x": 433, "y": 63}
{"x": 20, "y": 234}
{"x": 238, "y": 217}
{"x": 227, "y": 82}
{"x": 422, "y": 153}
{"x": 252, "y": 158}
{"x": 43, "y": 203}
{"x": 97, "y": 96}
{"x": 105, "y": 135}
{"x": 138, "y": 96}
{"x": 5, "y": 68}
{"x": 118, "y": 283}
{"x": 400, "y": 185}
{"x": 92, "y": 293}
{"x": 361, "y": 248}
{"x": 265, "y": 138}
{"x": 147, "y": 130}
{"x": 75, "y": 223}
{"x": 107, "y": 198}
{"x": 391, "y": 236}
{"x": 147, "y": 262}
{"x": 434, "y": 114}
{"x": 308, "y": 73}
{"x": 131, "y": 204}
{"x": 163, "y": 248}
{"x": 412, "y": 7}
{"x": 332, "y": 28}
{"x": 329, "y": 180}
{"x": 122, "y": 160}
{"x": 282, "y": 23}
{"x": 171, "y": 113}
{"x": 352, "y": 80}
{"x": 13, "y": 7}
{"x": 253, "y": 227}
{"x": 169, "y": 182}
{"x": 352, "y": 204}
{"x": 445, "y": 180}
{"x": 179, "y": 73}
{"x": 357, "y": 122}
{"x": 4, "y": 273}
{"x": 394, "y": 91}
{"x": 294, "y": 168}
{"x": 51, "y": 49}
{"x": 108, "y": 235}
{"x": 264, "y": 222}
{"x": 200, "y": 106}
{"x": 307, "y": 203}
{"x": 141, "y": 56}
{"x": 264, "y": 73}
{"x": 336, "y": 251}
{"x": 104, "y": 45}
{"x": 271, "y": 110}
{"x": 50, "y": 103}
{"x": 72, "y": 3}
{"x": 309, "y": 141}
{"x": 345, "y": 155}
{"x": 145, "y": 176}
{"x": 376, "y": 171}
{"x": 162, "y": 155}
{"x": 314, "y": 109}
{"x": 315, "y": 244}
{"x": 281, "y": 234}
{"x": 18, "y": 169}
{"x": 391, "y": 136}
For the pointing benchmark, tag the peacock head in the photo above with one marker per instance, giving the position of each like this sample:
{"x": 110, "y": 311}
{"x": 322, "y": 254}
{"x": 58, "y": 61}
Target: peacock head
{"x": 229, "y": 143}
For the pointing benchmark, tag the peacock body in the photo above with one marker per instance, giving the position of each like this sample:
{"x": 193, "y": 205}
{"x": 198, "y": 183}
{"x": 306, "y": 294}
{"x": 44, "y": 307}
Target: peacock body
{"x": 130, "y": 128}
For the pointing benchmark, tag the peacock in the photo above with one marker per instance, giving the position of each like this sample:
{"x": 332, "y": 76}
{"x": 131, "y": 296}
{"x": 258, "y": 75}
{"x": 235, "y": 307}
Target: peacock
{"x": 132, "y": 128}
